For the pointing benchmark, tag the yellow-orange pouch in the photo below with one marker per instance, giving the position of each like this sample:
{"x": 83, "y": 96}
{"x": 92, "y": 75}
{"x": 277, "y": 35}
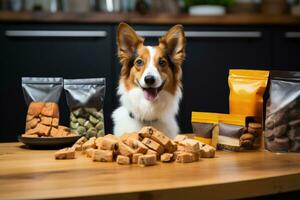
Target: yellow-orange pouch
{"x": 204, "y": 125}
{"x": 247, "y": 88}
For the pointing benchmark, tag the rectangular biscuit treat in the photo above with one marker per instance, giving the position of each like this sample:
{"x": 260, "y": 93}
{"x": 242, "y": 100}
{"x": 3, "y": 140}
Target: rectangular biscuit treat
{"x": 147, "y": 160}
{"x": 107, "y": 144}
{"x": 112, "y": 137}
{"x": 32, "y": 132}
{"x": 172, "y": 148}
{"x": 32, "y": 123}
{"x": 125, "y": 150}
{"x": 135, "y": 157}
{"x": 30, "y": 136}
{"x": 54, "y": 132}
{"x": 150, "y": 151}
{"x": 29, "y": 117}
{"x": 43, "y": 130}
{"x": 176, "y": 153}
{"x": 180, "y": 138}
{"x": 162, "y": 139}
{"x": 141, "y": 148}
{"x": 89, "y": 152}
{"x": 63, "y": 131}
{"x": 190, "y": 145}
{"x": 153, "y": 145}
{"x": 78, "y": 144}
{"x": 55, "y": 122}
{"x": 123, "y": 160}
{"x": 35, "y": 108}
{"x": 66, "y": 153}
{"x": 89, "y": 144}
{"x": 185, "y": 157}
{"x": 46, "y": 120}
{"x": 102, "y": 155}
{"x": 132, "y": 135}
{"x": 51, "y": 110}
{"x": 146, "y": 131}
{"x": 207, "y": 151}
{"x": 137, "y": 145}
{"x": 196, "y": 156}
{"x": 166, "y": 157}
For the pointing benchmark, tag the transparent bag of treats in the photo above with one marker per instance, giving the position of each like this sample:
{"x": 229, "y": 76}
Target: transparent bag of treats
{"x": 85, "y": 98}
{"x": 42, "y": 95}
{"x": 282, "y": 124}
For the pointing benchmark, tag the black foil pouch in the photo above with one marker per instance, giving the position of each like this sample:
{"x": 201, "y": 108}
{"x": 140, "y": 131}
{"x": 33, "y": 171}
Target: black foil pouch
{"x": 85, "y": 98}
{"x": 42, "y": 96}
{"x": 282, "y": 125}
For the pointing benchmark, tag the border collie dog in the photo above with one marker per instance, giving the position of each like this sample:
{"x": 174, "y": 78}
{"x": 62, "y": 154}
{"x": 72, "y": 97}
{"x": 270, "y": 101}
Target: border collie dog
{"x": 150, "y": 87}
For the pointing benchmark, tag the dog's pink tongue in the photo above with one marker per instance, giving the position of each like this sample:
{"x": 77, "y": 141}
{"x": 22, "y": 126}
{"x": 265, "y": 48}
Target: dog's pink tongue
{"x": 150, "y": 94}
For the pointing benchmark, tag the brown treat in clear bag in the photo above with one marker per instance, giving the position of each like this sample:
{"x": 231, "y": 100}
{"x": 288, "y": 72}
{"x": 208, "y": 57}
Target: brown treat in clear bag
{"x": 282, "y": 123}
{"x": 42, "y": 96}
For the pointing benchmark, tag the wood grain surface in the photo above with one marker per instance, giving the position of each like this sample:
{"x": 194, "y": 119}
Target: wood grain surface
{"x": 35, "y": 174}
{"x": 229, "y": 19}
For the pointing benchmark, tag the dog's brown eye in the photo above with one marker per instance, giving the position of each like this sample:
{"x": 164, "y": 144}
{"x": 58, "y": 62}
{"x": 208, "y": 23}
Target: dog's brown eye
{"x": 139, "y": 62}
{"x": 162, "y": 62}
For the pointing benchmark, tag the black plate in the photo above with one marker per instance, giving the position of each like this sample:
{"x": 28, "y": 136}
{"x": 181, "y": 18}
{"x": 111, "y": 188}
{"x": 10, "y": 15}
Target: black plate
{"x": 49, "y": 142}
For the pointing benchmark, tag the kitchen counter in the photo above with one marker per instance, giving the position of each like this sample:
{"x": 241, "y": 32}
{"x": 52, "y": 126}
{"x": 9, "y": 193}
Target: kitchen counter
{"x": 134, "y": 18}
{"x": 35, "y": 174}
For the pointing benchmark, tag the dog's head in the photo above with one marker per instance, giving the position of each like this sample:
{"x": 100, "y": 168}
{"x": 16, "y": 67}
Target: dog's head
{"x": 151, "y": 68}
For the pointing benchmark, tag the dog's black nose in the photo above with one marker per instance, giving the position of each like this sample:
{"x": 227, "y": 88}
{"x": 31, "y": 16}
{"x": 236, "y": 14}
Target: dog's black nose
{"x": 149, "y": 80}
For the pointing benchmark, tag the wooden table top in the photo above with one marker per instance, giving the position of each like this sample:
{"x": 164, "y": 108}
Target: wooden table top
{"x": 134, "y": 18}
{"x": 35, "y": 174}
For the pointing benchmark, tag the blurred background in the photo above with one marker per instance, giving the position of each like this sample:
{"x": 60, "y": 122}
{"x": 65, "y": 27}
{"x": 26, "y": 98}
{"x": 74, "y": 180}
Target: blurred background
{"x": 77, "y": 39}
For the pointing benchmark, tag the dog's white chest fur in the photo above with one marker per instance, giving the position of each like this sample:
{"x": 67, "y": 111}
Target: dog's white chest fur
{"x": 159, "y": 114}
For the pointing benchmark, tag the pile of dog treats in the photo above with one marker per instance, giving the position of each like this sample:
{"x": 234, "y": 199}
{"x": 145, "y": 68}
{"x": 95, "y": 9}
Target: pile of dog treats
{"x": 144, "y": 148}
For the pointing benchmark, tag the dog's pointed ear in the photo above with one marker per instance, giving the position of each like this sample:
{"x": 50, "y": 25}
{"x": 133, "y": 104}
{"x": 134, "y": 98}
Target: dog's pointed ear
{"x": 174, "y": 42}
{"x": 128, "y": 41}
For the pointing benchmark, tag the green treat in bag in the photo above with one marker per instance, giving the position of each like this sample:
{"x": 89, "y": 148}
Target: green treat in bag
{"x": 93, "y": 120}
{"x": 81, "y": 121}
{"x": 81, "y": 130}
{"x": 85, "y": 98}
{"x": 74, "y": 125}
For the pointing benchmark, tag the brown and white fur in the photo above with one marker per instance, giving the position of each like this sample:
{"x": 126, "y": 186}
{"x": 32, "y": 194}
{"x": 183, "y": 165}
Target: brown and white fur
{"x": 150, "y": 81}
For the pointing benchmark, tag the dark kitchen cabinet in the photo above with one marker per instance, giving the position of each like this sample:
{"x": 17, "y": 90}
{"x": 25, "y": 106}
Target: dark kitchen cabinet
{"x": 286, "y": 49}
{"x": 68, "y": 51}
